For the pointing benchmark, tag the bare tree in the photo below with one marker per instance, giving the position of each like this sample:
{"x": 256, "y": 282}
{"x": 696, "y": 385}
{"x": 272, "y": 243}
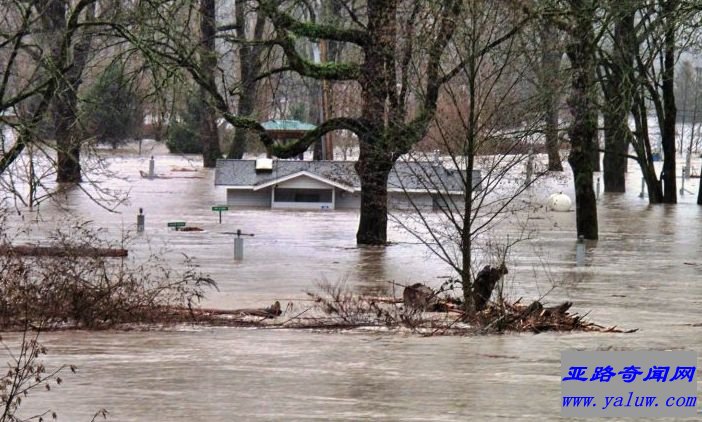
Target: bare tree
{"x": 484, "y": 125}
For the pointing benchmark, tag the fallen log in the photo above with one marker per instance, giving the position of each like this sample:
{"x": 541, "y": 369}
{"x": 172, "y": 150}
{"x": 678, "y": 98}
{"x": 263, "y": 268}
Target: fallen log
{"x": 269, "y": 312}
{"x": 63, "y": 251}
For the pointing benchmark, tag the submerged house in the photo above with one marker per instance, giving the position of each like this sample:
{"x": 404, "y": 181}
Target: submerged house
{"x": 297, "y": 184}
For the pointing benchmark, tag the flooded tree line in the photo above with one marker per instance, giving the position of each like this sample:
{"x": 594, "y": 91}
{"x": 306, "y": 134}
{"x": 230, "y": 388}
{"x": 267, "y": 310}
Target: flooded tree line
{"x": 482, "y": 84}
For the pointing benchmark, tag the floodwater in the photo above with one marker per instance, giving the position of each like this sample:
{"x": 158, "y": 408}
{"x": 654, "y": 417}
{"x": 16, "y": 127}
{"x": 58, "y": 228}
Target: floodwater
{"x": 645, "y": 272}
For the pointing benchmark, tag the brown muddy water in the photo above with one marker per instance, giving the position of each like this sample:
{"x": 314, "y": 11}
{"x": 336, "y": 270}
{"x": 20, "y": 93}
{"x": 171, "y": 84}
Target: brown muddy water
{"x": 645, "y": 273}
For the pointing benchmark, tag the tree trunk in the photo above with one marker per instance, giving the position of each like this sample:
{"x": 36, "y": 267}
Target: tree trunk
{"x": 466, "y": 228}
{"x": 315, "y": 116}
{"x": 670, "y": 194}
{"x": 373, "y": 172}
{"x": 619, "y": 91}
{"x": 551, "y": 57}
{"x": 209, "y": 136}
{"x": 246, "y": 108}
{"x": 208, "y": 61}
{"x": 65, "y": 101}
{"x": 249, "y": 66}
{"x": 642, "y": 144}
{"x": 616, "y": 145}
{"x": 581, "y": 51}
{"x": 375, "y": 160}
{"x": 68, "y": 168}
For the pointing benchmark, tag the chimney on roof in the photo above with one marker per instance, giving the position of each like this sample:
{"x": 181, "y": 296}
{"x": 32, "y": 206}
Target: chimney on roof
{"x": 264, "y": 165}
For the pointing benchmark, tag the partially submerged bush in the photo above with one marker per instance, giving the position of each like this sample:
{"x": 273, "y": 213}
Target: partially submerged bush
{"x": 84, "y": 289}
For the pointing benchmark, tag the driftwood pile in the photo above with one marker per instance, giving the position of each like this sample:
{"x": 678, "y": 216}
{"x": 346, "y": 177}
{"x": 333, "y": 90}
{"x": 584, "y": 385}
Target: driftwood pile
{"x": 420, "y": 309}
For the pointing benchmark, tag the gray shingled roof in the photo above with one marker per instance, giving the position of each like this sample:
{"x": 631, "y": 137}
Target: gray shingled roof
{"x": 411, "y": 175}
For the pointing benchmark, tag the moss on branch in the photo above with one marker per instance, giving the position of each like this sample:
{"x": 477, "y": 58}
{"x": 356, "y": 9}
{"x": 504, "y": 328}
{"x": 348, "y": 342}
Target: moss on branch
{"x": 282, "y": 20}
{"x": 326, "y": 71}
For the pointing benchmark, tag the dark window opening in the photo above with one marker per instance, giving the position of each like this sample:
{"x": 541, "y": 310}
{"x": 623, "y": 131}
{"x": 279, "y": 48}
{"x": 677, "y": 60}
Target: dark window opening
{"x": 303, "y": 195}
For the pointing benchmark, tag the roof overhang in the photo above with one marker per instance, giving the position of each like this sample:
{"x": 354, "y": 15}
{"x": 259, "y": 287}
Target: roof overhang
{"x": 432, "y": 191}
{"x": 304, "y": 174}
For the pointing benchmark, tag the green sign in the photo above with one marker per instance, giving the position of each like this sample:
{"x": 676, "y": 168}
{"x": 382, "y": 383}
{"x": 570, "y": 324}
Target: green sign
{"x": 220, "y": 208}
{"x": 176, "y": 224}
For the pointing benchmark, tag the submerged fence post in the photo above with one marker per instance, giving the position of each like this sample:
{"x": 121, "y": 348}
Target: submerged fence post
{"x": 529, "y": 167}
{"x": 643, "y": 185}
{"x": 239, "y": 244}
{"x": 580, "y": 251}
{"x": 140, "y": 220}
{"x": 152, "y": 167}
{"x": 598, "y": 188}
{"x": 238, "y": 248}
{"x": 682, "y": 183}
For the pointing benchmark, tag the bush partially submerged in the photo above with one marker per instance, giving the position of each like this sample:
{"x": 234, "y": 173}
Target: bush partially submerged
{"x": 80, "y": 289}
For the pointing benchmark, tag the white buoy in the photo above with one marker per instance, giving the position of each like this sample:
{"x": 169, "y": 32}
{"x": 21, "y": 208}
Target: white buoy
{"x": 559, "y": 202}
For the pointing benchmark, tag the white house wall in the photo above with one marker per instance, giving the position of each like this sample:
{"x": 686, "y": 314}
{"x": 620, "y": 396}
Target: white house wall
{"x": 347, "y": 200}
{"x": 247, "y": 198}
{"x": 399, "y": 201}
{"x": 343, "y": 200}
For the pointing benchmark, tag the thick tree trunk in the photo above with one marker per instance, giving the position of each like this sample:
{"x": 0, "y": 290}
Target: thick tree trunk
{"x": 65, "y": 101}
{"x": 208, "y": 62}
{"x": 373, "y": 172}
{"x": 315, "y": 116}
{"x": 209, "y": 136}
{"x": 616, "y": 150}
{"x": 246, "y": 108}
{"x": 653, "y": 185}
{"x": 375, "y": 160}
{"x": 68, "y": 168}
{"x": 582, "y": 131}
{"x": 249, "y": 66}
{"x": 619, "y": 91}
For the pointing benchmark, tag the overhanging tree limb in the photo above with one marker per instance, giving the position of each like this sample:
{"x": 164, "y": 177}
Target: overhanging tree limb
{"x": 282, "y": 20}
{"x": 322, "y": 71}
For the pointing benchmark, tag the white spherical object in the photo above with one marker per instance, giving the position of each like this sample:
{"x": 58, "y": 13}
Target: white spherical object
{"x": 559, "y": 202}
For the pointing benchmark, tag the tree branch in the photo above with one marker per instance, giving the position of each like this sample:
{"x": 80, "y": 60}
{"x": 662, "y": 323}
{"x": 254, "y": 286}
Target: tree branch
{"x": 284, "y": 21}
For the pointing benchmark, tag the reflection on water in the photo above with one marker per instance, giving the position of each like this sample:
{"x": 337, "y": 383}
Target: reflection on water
{"x": 644, "y": 273}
